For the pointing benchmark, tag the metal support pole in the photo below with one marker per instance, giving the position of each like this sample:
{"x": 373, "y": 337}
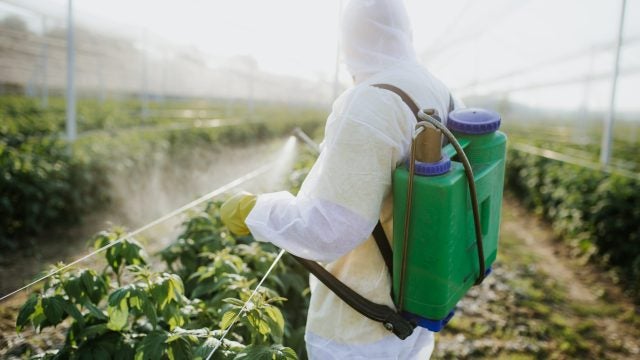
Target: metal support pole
{"x": 71, "y": 86}
{"x": 145, "y": 76}
{"x": 605, "y": 151}
{"x": 44, "y": 101}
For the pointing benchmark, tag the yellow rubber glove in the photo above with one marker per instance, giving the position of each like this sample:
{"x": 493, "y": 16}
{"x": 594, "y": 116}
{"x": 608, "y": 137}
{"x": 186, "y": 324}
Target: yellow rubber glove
{"x": 235, "y": 210}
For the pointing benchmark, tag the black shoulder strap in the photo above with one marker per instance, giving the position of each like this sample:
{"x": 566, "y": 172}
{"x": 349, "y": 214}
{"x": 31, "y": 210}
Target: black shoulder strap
{"x": 409, "y": 101}
{"x": 392, "y": 320}
{"x": 383, "y": 245}
{"x": 403, "y": 95}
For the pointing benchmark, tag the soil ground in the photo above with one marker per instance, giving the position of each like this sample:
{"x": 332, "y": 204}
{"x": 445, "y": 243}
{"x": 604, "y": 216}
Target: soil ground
{"x": 541, "y": 303}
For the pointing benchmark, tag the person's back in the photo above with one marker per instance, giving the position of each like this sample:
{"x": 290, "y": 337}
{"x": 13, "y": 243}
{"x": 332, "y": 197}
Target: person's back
{"x": 335, "y": 330}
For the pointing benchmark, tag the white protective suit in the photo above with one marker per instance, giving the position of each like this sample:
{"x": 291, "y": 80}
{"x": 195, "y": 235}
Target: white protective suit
{"x": 367, "y": 135}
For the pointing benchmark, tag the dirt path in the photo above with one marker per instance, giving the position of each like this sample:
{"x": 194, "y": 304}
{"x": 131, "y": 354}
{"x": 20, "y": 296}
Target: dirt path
{"x": 540, "y": 241}
{"x": 541, "y": 303}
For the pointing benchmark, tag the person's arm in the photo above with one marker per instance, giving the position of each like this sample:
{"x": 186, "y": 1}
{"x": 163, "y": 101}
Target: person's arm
{"x": 340, "y": 200}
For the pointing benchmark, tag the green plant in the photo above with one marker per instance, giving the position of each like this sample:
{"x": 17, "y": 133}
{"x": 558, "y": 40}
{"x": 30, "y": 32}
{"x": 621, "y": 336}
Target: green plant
{"x": 42, "y": 186}
{"x": 128, "y": 310}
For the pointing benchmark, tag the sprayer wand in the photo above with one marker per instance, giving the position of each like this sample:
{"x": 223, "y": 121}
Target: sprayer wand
{"x": 302, "y": 136}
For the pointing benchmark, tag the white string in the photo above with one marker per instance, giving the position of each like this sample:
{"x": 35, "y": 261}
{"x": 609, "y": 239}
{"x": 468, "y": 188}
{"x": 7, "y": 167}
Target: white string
{"x": 244, "y": 307}
{"x": 178, "y": 211}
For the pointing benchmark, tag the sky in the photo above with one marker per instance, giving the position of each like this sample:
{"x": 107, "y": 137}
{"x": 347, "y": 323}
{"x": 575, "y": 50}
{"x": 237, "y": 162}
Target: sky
{"x": 466, "y": 43}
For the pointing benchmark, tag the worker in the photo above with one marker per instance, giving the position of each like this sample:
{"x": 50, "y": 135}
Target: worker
{"x": 348, "y": 189}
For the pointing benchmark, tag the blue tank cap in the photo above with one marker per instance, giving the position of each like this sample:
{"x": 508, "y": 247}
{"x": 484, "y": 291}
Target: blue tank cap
{"x": 433, "y": 169}
{"x": 473, "y": 121}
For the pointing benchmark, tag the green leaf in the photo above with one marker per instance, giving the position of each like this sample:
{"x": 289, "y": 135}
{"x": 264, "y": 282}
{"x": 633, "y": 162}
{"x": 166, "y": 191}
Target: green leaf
{"x": 176, "y": 286}
{"x": 126, "y": 252}
{"x": 136, "y": 301}
{"x": 101, "y": 240}
{"x": 180, "y": 349}
{"x": 150, "y": 312}
{"x": 256, "y": 320}
{"x": 26, "y": 311}
{"x": 72, "y": 288}
{"x": 117, "y": 296}
{"x": 38, "y": 318}
{"x": 113, "y": 258}
{"x": 275, "y": 321}
{"x": 255, "y": 352}
{"x": 235, "y": 302}
{"x": 94, "y": 285}
{"x": 228, "y": 318}
{"x": 73, "y": 311}
{"x": 132, "y": 252}
{"x": 173, "y": 316}
{"x": 160, "y": 293}
{"x": 152, "y": 347}
{"x": 53, "y": 309}
{"x": 118, "y": 316}
{"x": 275, "y": 314}
{"x": 95, "y": 311}
{"x": 280, "y": 352}
{"x": 276, "y": 299}
{"x": 95, "y": 330}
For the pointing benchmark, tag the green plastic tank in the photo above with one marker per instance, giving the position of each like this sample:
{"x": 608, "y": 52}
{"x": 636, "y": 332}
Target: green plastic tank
{"x": 442, "y": 259}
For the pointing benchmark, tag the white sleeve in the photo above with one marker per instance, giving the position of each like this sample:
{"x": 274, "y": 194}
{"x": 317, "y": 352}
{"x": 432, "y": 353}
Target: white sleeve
{"x": 339, "y": 203}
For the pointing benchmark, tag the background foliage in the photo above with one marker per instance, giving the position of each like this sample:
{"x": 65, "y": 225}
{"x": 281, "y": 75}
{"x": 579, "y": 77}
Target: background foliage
{"x": 597, "y": 213}
{"x": 45, "y": 183}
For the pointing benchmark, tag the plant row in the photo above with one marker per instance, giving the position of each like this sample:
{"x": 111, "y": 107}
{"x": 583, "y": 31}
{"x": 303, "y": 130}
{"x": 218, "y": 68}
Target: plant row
{"x": 130, "y": 311}
{"x": 46, "y": 183}
{"x": 595, "y": 212}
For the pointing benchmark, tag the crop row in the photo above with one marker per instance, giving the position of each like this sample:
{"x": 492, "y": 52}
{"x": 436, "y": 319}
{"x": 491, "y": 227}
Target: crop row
{"x": 47, "y": 183}
{"x": 129, "y": 310}
{"x": 595, "y": 212}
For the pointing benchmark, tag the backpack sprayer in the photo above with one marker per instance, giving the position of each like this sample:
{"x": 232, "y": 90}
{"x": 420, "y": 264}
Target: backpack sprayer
{"x": 446, "y": 213}
{"x": 446, "y": 219}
